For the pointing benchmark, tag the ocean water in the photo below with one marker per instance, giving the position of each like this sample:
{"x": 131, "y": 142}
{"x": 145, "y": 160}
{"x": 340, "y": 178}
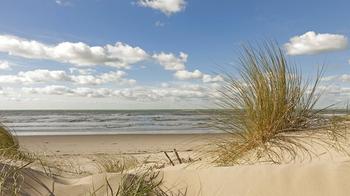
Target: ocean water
{"x": 61, "y": 122}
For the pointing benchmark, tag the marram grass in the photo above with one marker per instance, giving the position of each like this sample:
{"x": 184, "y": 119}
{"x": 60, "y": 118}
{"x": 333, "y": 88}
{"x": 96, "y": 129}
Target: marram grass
{"x": 269, "y": 112}
{"x": 8, "y": 142}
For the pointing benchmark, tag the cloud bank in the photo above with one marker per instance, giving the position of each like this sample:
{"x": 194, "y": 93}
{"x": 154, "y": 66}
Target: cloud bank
{"x": 48, "y": 76}
{"x": 119, "y": 55}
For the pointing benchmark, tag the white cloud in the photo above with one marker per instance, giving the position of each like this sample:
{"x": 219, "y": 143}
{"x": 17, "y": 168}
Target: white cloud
{"x": 342, "y": 78}
{"x": 208, "y": 78}
{"x": 42, "y": 75}
{"x": 334, "y": 90}
{"x": 140, "y": 93}
{"x": 80, "y": 54}
{"x": 64, "y": 90}
{"x": 51, "y": 90}
{"x": 48, "y": 76}
{"x": 117, "y": 76}
{"x": 186, "y": 75}
{"x": 5, "y": 65}
{"x": 165, "y": 92}
{"x": 119, "y": 55}
{"x": 313, "y": 43}
{"x": 39, "y": 75}
{"x": 328, "y": 78}
{"x": 170, "y": 62}
{"x": 168, "y": 7}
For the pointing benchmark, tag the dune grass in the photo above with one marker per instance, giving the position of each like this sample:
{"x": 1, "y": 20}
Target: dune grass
{"x": 8, "y": 142}
{"x": 269, "y": 111}
{"x": 142, "y": 181}
{"x": 145, "y": 182}
{"x": 111, "y": 164}
{"x": 11, "y": 178}
{"x": 12, "y": 161}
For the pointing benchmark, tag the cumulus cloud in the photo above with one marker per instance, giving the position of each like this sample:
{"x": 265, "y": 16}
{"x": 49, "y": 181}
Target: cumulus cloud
{"x": 139, "y": 93}
{"x": 313, "y": 43}
{"x": 39, "y": 75}
{"x": 342, "y": 78}
{"x": 44, "y": 75}
{"x": 64, "y": 90}
{"x": 167, "y": 91}
{"x": 173, "y": 63}
{"x": 185, "y": 75}
{"x": 170, "y": 62}
{"x": 119, "y": 55}
{"x": 208, "y": 78}
{"x": 334, "y": 90}
{"x": 4, "y": 65}
{"x": 168, "y": 7}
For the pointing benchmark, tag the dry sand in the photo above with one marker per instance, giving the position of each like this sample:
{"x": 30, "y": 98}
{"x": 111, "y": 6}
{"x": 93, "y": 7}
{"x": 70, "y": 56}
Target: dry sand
{"x": 320, "y": 177}
{"x": 130, "y": 144}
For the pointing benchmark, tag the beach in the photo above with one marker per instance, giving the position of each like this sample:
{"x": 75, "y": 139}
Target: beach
{"x": 322, "y": 176}
{"x": 115, "y": 144}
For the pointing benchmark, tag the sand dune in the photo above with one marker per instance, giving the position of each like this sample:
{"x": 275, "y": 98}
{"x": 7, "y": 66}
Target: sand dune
{"x": 316, "y": 179}
{"x": 324, "y": 176}
{"x": 37, "y": 183}
{"x": 311, "y": 179}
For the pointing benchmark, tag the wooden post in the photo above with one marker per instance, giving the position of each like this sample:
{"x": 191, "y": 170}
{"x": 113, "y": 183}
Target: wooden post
{"x": 177, "y": 156}
{"x": 166, "y": 154}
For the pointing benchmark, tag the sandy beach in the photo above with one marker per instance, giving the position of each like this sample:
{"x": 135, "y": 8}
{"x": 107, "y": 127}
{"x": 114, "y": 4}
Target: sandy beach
{"x": 324, "y": 176}
{"x": 122, "y": 143}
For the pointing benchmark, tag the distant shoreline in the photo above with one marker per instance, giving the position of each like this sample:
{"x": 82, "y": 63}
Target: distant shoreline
{"x": 39, "y": 134}
{"x": 125, "y": 143}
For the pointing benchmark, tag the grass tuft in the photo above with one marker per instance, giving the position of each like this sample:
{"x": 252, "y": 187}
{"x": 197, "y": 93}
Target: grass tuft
{"x": 8, "y": 142}
{"x": 111, "y": 164}
{"x": 269, "y": 111}
{"x": 146, "y": 181}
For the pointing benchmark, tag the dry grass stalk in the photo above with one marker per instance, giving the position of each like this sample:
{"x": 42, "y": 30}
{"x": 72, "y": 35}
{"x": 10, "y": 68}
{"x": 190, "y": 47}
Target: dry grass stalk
{"x": 8, "y": 142}
{"x": 269, "y": 112}
{"x": 145, "y": 182}
{"x": 11, "y": 177}
{"x": 111, "y": 164}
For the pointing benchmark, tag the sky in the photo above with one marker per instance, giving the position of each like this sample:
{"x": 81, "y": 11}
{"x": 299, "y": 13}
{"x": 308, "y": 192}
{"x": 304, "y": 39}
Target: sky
{"x": 158, "y": 54}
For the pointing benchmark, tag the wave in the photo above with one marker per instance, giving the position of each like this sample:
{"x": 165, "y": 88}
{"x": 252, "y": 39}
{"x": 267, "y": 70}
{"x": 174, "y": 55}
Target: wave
{"x": 93, "y": 122}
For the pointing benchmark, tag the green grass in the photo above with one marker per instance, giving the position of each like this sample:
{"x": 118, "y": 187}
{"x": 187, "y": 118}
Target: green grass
{"x": 269, "y": 111}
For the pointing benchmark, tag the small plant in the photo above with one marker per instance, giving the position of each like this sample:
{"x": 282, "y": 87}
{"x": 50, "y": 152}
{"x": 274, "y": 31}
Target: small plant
{"x": 111, "y": 164}
{"x": 8, "y": 142}
{"x": 11, "y": 178}
{"x": 145, "y": 182}
{"x": 142, "y": 183}
{"x": 269, "y": 112}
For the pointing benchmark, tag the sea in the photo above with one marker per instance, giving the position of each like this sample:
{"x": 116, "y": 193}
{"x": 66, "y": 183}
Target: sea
{"x": 93, "y": 122}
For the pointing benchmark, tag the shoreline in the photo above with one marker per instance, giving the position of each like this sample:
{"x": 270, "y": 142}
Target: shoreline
{"x": 116, "y": 143}
{"x": 104, "y": 133}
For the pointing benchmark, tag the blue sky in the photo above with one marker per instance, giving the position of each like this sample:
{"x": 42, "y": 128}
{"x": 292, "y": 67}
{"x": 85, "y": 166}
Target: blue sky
{"x": 141, "y": 54}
